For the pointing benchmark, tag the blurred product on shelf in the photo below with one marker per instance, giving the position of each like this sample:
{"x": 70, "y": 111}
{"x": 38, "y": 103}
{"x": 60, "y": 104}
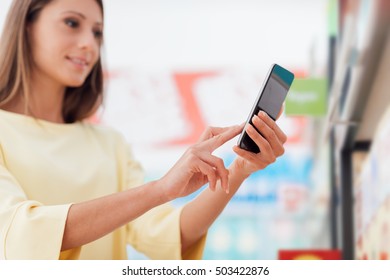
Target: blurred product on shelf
{"x": 372, "y": 198}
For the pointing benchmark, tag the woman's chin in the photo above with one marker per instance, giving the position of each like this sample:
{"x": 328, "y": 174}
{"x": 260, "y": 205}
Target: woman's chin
{"x": 75, "y": 83}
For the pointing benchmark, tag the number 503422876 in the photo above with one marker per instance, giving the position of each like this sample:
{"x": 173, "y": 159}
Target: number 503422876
{"x": 243, "y": 270}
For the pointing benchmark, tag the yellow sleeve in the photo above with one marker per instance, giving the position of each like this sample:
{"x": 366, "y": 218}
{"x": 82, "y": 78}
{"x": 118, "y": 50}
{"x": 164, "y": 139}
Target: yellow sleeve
{"x": 156, "y": 233}
{"x": 28, "y": 229}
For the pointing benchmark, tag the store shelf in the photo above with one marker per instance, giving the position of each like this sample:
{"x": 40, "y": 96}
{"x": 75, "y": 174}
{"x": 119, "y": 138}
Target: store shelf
{"x": 379, "y": 99}
{"x": 358, "y": 98}
{"x": 355, "y": 75}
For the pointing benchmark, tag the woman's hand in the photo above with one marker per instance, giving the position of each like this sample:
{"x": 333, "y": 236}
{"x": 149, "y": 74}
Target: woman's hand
{"x": 198, "y": 166}
{"x": 270, "y": 142}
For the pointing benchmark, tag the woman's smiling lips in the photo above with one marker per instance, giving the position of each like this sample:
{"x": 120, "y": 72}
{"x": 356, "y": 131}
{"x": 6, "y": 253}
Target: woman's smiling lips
{"x": 78, "y": 62}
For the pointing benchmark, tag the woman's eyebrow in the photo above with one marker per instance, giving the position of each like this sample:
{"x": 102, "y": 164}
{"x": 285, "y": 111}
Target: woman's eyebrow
{"x": 80, "y": 15}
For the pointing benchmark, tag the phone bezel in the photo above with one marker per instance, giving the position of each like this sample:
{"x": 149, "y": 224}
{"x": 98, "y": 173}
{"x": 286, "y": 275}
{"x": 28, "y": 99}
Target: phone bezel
{"x": 254, "y": 107}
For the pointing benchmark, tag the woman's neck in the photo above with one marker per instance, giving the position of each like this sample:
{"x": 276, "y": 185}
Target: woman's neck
{"x": 42, "y": 111}
{"x": 46, "y": 105}
{"x": 44, "y": 102}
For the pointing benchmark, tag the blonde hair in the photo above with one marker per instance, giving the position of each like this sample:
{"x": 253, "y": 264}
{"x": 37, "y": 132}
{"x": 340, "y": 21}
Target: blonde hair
{"x": 15, "y": 69}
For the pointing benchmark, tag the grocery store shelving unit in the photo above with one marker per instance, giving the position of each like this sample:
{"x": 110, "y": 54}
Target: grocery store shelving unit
{"x": 358, "y": 70}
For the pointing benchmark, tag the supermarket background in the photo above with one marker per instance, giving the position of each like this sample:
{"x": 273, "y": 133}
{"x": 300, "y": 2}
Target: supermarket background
{"x": 174, "y": 67}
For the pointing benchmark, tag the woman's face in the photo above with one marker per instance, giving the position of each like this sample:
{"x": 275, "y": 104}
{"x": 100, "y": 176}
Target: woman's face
{"x": 65, "y": 41}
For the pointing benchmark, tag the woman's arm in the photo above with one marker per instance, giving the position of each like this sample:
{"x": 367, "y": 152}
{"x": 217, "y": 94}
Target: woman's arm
{"x": 90, "y": 220}
{"x": 198, "y": 215}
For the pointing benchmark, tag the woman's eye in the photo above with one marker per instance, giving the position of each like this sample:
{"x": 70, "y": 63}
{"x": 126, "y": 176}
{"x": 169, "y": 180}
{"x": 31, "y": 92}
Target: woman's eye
{"x": 72, "y": 23}
{"x": 98, "y": 34}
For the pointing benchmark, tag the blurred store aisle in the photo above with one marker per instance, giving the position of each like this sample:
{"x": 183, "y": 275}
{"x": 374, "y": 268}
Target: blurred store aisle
{"x": 221, "y": 51}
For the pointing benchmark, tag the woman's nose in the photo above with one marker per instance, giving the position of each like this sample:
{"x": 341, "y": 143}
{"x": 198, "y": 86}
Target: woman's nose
{"x": 87, "y": 41}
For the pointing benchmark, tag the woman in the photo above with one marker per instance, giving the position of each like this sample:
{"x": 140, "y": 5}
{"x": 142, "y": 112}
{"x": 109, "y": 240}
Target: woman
{"x": 71, "y": 190}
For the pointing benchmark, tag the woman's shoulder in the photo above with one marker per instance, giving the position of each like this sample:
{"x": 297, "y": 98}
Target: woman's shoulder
{"x": 105, "y": 132}
{"x": 101, "y": 129}
{"x": 18, "y": 124}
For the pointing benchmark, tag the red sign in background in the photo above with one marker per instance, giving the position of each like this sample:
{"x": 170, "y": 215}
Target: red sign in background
{"x": 309, "y": 254}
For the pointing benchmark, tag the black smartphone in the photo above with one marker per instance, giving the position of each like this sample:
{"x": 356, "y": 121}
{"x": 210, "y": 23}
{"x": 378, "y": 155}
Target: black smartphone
{"x": 270, "y": 100}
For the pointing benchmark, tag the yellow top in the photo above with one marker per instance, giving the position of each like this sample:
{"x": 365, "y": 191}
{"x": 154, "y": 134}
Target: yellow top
{"x": 45, "y": 167}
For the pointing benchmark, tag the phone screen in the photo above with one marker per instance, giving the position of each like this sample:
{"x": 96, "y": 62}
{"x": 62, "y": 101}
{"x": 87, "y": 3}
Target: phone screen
{"x": 270, "y": 100}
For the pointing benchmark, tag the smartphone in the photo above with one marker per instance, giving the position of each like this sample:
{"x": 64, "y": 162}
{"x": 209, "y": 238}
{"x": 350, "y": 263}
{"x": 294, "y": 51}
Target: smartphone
{"x": 270, "y": 100}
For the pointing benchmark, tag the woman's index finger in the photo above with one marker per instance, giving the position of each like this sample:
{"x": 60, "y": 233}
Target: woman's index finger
{"x": 220, "y": 139}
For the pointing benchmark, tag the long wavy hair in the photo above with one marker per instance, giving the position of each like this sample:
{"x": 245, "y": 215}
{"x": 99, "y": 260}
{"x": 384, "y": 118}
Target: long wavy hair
{"x": 16, "y": 66}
